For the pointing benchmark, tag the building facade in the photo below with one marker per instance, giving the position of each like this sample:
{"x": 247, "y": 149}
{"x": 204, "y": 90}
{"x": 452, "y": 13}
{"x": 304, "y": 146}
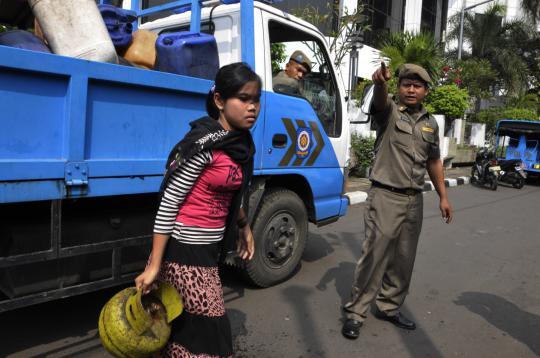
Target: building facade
{"x": 386, "y": 16}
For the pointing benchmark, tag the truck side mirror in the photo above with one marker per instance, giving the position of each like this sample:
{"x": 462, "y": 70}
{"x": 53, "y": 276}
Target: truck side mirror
{"x": 365, "y": 105}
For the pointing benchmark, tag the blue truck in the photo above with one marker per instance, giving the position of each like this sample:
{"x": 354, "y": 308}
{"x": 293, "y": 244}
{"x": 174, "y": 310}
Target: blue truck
{"x": 83, "y": 146}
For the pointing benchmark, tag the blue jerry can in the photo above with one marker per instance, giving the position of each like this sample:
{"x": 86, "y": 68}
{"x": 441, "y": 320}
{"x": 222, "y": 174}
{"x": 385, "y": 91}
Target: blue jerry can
{"x": 23, "y": 39}
{"x": 187, "y": 53}
{"x": 119, "y": 25}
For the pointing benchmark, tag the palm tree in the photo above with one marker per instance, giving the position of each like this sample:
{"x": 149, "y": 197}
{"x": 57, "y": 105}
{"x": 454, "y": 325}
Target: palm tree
{"x": 481, "y": 31}
{"x": 418, "y": 48}
{"x": 503, "y": 44}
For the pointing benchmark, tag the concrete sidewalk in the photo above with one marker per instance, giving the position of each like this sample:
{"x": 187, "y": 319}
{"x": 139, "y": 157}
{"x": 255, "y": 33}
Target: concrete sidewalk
{"x": 357, "y": 188}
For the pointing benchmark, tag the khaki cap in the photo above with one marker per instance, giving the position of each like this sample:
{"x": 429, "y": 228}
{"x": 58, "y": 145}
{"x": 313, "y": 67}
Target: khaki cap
{"x": 408, "y": 70}
{"x": 301, "y": 58}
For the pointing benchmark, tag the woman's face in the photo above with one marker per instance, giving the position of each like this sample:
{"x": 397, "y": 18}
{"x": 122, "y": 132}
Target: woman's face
{"x": 240, "y": 111}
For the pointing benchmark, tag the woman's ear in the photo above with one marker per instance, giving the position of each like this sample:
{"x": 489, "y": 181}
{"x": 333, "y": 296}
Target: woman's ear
{"x": 220, "y": 104}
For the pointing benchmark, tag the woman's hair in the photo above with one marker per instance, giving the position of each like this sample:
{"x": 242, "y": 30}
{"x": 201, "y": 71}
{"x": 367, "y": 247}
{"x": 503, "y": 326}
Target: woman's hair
{"x": 229, "y": 81}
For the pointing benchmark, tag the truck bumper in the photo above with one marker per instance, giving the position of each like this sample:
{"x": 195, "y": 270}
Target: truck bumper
{"x": 344, "y": 205}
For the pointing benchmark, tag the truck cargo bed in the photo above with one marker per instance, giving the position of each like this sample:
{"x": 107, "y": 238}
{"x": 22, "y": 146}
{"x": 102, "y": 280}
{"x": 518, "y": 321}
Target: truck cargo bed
{"x": 74, "y": 128}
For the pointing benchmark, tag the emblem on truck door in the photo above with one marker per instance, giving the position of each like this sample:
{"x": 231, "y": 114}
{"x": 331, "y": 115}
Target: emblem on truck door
{"x": 301, "y": 142}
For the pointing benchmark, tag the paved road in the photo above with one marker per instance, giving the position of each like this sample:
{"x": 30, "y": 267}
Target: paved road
{"x": 475, "y": 293}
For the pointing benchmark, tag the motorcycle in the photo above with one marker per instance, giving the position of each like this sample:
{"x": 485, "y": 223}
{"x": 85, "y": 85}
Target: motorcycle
{"x": 512, "y": 172}
{"x": 485, "y": 170}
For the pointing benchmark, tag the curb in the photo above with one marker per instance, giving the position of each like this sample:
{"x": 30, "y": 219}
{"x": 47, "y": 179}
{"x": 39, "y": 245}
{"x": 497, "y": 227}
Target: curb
{"x": 357, "y": 197}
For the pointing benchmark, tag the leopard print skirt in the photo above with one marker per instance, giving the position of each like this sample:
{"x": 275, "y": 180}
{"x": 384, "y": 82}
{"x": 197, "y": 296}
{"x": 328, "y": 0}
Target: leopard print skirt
{"x": 203, "y": 329}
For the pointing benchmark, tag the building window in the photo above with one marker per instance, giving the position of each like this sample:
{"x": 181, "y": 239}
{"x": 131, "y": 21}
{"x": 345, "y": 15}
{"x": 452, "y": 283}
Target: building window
{"x": 383, "y": 16}
{"x": 324, "y": 7}
{"x": 429, "y": 16}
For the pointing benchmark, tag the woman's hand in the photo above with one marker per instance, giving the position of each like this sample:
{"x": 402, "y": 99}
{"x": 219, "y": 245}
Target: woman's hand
{"x": 146, "y": 280}
{"x": 246, "y": 245}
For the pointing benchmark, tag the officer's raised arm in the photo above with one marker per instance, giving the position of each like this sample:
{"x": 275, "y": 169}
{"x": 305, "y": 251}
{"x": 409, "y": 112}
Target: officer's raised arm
{"x": 380, "y": 92}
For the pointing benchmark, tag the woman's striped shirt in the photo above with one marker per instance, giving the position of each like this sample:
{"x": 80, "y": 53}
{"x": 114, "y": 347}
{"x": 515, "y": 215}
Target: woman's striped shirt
{"x": 197, "y": 197}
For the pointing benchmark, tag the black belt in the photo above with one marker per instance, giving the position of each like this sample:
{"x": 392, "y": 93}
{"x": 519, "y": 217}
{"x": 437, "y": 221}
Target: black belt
{"x": 408, "y": 191}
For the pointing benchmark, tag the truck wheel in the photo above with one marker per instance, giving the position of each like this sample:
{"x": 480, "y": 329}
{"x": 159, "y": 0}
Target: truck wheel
{"x": 280, "y": 232}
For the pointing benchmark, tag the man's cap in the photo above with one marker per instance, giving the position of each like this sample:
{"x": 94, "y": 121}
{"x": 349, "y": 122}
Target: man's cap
{"x": 301, "y": 58}
{"x": 409, "y": 70}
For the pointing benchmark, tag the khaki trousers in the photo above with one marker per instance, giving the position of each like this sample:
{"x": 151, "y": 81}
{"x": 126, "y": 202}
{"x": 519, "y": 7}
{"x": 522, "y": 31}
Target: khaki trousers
{"x": 392, "y": 224}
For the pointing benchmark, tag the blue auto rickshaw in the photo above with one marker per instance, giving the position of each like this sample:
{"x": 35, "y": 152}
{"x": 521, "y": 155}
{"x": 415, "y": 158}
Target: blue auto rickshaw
{"x": 519, "y": 139}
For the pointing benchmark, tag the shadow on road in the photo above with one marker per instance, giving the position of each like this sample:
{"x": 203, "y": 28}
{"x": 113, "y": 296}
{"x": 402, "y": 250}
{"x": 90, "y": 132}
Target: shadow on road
{"x": 50, "y": 329}
{"x": 505, "y": 315}
{"x": 317, "y": 248}
{"x": 342, "y": 275}
{"x": 239, "y": 332}
{"x": 418, "y": 342}
{"x": 354, "y": 241}
{"x": 299, "y": 298}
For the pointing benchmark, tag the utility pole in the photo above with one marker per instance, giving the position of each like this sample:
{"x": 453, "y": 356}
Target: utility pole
{"x": 356, "y": 44}
{"x": 461, "y": 19}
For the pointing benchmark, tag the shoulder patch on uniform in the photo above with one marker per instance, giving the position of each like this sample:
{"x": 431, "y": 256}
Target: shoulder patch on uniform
{"x": 428, "y": 129}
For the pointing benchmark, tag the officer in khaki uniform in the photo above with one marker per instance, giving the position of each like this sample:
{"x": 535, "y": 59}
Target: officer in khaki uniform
{"x": 407, "y": 145}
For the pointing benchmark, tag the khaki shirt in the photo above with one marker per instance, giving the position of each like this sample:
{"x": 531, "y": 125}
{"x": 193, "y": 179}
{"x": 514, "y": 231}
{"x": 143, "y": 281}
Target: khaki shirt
{"x": 404, "y": 143}
{"x": 284, "y": 84}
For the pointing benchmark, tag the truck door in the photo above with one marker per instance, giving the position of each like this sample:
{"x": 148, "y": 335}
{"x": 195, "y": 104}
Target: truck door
{"x": 304, "y": 131}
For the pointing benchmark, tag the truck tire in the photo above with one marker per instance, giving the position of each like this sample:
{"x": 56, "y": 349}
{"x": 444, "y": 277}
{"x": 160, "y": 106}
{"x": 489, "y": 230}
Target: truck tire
{"x": 280, "y": 232}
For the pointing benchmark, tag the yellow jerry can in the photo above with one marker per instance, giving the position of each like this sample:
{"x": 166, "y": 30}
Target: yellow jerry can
{"x": 132, "y": 325}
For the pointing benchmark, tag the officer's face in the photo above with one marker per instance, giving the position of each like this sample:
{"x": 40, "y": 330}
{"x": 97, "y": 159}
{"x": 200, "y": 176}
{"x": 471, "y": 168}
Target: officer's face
{"x": 412, "y": 92}
{"x": 295, "y": 70}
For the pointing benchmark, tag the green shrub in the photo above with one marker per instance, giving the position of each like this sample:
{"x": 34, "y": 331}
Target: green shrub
{"x": 363, "y": 152}
{"x": 487, "y": 116}
{"x": 492, "y": 115}
{"x": 520, "y": 113}
{"x": 449, "y": 100}
{"x": 277, "y": 56}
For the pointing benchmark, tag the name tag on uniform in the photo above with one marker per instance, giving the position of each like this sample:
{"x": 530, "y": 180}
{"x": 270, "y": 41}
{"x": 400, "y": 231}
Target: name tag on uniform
{"x": 428, "y": 129}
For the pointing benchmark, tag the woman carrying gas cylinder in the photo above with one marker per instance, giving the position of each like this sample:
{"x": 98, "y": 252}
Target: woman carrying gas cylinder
{"x": 203, "y": 213}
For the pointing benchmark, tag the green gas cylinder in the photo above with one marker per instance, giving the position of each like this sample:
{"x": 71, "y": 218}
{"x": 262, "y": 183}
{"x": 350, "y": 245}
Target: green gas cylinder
{"x": 134, "y": 326}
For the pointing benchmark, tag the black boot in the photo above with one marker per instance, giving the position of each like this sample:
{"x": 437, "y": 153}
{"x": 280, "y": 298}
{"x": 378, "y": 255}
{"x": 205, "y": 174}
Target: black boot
{"x": 351, "y": 328}
{"x": 397, "y": 320}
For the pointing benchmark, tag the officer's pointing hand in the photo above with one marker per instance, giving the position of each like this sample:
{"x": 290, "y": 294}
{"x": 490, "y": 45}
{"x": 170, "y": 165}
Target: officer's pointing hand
{"x": 381, "y": 75}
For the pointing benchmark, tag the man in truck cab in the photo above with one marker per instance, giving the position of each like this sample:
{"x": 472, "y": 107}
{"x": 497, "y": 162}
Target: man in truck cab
{"x": 288, "y": 81}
